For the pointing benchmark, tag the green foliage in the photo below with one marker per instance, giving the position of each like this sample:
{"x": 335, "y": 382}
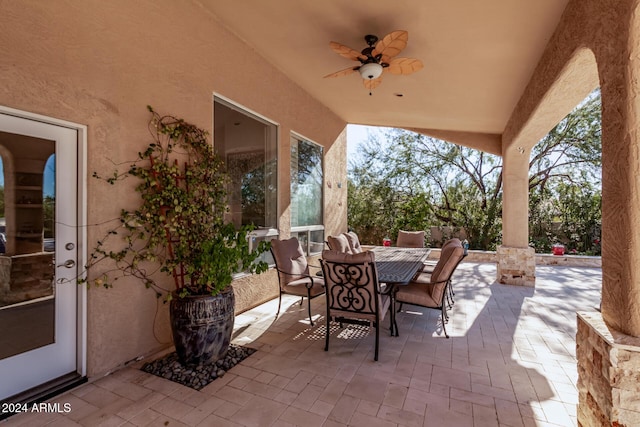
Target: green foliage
{"x": 415, "y": 182}
{"x": 179, "y": 228}
{"x": 564, "y": 181}
{"x": 49, "y": 215}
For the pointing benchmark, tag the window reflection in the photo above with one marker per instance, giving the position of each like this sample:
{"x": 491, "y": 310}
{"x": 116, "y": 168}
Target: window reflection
{"x": 27, "y": 229}
{"x": 306, "y": 195}
{"x": 247, "y": 145}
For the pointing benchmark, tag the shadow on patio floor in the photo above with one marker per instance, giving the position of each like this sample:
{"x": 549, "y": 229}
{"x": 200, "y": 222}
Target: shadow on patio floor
{"x": 510, "y": 361}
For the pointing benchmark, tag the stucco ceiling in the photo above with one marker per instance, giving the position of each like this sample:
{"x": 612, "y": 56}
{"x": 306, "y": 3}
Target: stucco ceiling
{"x": 478, "y": 55}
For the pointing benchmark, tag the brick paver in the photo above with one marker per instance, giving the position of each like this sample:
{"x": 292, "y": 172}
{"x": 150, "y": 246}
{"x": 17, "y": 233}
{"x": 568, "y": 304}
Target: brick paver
{"x": 510, "y": 361}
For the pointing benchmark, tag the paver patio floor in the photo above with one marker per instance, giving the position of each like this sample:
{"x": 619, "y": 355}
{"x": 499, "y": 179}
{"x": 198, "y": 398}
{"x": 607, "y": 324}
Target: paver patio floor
{"x": 510, "y": 361}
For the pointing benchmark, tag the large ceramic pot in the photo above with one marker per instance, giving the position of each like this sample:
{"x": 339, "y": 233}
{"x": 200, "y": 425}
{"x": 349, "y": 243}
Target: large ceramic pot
{"x": 202, "y": 326}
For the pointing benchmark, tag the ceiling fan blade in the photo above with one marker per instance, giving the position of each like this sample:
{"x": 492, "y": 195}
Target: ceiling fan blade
{"x": 347, "y": 52}
{"x": 404, "y": 66}
{"x": 391, "y": 45}
{"x": 344, "y": 72}
{"x": 372, "y": 83}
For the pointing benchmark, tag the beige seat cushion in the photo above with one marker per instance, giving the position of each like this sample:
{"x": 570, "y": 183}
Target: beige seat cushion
{"x": 354, "y": 242}
{"x": 410, "y": 239}
{"x": 416, "y": 293}
{"x": 428, "y": 289}
{"x": 290, "y": 260}
{"x": 299, "y": 287}
{"x": 339, "y": 243}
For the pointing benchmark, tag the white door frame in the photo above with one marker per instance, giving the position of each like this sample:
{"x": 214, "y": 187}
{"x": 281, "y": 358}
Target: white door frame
{"x": 81, "y": 309}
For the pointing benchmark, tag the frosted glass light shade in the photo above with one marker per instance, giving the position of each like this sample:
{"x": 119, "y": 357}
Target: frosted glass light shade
{"x": 370, "y": 70}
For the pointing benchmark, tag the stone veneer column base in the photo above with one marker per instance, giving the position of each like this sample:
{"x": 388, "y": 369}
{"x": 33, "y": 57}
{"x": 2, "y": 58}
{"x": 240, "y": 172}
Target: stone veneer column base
{"x": 608, "y": 374}
{"x": 516, "y": 266}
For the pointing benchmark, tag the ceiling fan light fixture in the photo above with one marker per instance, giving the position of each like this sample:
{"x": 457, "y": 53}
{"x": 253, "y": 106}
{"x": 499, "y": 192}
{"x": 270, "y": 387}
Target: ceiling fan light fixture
{"x": 370, "y": 71}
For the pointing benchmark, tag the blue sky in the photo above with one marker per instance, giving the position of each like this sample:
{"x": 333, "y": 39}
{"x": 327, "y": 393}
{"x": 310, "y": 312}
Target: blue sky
{"x": 357, "y": 134}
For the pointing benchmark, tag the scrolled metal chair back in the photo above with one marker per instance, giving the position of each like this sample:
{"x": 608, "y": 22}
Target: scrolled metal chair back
{"x": 351, "y": 282}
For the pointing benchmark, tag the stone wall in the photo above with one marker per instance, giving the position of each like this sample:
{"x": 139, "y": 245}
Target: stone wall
{"x": 516, "y": 266}
{"x": 569, "y": 260}
{"x": 608, "y": 374}
{"x": 25, "y": 277}
{"x": 541, "y": 259}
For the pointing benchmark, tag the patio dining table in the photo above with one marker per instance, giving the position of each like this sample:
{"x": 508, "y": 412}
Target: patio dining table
{"x": 396, "y": 267}
{"x": 399, "y": 265}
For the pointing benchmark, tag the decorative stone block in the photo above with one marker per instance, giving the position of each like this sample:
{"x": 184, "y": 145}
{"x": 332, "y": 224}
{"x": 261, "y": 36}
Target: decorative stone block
{"x": 516, "y": 266}
{"x": 608, "y": 374}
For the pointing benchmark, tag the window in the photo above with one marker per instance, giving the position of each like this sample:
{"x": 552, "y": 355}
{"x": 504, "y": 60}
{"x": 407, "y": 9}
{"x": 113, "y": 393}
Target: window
{"x": 248, "y": 145}
{"x": 306, "y": 194}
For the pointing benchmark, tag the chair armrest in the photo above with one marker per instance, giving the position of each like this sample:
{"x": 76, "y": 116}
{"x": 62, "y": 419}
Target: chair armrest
{"x": 319, "y": 267}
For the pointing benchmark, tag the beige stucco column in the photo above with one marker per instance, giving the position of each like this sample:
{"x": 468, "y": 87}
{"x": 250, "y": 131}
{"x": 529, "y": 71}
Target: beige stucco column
{"x": 619, "y": 68}
{"x": 516, "y": 260}
{"x": 608, "y": 347}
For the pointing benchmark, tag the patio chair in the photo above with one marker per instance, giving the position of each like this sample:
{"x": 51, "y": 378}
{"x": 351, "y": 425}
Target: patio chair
{"x": 429, "y": 266}
{"x": 430, "y": 290}
{"x": 339, "y": 243}
{"x": 410, "y": 239}
{"x": 353, "y": 292}
{"x": 354, "y": 242}
{"x": 293, "y": 272}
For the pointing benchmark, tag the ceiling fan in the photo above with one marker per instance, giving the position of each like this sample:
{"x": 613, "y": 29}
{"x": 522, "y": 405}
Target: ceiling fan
{"x": 377, "y": 58}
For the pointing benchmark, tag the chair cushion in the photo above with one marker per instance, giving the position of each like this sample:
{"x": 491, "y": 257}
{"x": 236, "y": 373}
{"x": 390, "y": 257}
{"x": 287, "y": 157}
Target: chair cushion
{"x": 449, "y": 259}
{"x": 348, "y": 258}
{"x": 454, "y": 241}
{"x": 339, "y": 243}
{"x": 290, "y": 260}
{"x": 423, "y": 278}
{"x": 451, "y": 255}
{"x": 426, "y": 289}
{"x": 354, "y": 242}
{"x": 410, "y": 239}
{"x": 299, "y": 287}
{"x": 418, "y": 294}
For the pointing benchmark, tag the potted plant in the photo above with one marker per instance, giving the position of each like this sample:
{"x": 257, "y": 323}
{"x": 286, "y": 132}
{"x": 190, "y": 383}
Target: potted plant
{"x": 179, "y": 230}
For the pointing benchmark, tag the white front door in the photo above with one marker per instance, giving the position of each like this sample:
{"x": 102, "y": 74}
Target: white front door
{"x": 38, "y": 254}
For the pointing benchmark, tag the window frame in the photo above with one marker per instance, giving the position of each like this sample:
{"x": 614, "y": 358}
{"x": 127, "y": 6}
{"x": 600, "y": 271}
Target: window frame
{"x": 308, "y": 229}
{"x": 262, "y": 232}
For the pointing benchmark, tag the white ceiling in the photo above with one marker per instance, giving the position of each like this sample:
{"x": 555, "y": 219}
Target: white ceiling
{"x": 478, "y": 55}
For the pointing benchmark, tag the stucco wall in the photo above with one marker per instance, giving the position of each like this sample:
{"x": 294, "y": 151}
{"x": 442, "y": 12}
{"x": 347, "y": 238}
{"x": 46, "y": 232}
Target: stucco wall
{"x": 99, "y": 64}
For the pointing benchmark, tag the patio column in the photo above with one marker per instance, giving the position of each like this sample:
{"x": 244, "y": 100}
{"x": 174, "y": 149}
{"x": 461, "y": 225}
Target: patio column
{"x": 619, "y": 68}
{"x": 608, "y": 343}
{"x": 516, "y": 260}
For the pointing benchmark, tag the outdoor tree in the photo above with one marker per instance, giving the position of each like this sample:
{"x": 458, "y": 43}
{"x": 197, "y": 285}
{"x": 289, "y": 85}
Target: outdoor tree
{"x": 404, "y": 180}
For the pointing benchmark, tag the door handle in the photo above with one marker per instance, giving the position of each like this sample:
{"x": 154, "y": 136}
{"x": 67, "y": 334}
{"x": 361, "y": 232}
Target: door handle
{"x": 68, "y": 264}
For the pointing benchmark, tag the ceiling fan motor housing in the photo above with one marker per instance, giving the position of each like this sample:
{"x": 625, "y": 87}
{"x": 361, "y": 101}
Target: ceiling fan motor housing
{"x": 371, "y": 39}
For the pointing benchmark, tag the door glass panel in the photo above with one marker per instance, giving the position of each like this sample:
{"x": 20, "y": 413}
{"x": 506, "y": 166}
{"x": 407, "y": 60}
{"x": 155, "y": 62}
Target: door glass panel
{"x": 27, "y": 288}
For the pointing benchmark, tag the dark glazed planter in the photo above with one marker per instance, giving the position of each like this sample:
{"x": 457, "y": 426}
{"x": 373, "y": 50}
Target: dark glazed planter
{"x": 202, "y": 326}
